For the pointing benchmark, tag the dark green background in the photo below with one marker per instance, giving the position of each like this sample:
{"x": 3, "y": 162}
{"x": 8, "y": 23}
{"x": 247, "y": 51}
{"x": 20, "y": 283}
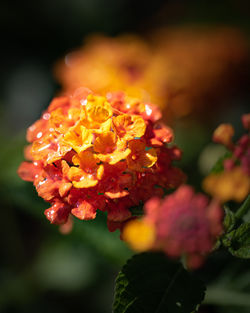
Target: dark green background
{"x": 40, "y": 269}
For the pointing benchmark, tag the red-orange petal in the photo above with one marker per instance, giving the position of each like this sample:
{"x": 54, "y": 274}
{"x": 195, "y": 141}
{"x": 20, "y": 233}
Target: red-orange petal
{"x": 27, "y": 171}
{"x": 85, "y": 211}
{"x": 58, "y": 213}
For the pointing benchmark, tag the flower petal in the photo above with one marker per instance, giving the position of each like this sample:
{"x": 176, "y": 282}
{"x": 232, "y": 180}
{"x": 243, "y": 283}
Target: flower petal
{"x": 129, "y": 126}
{"x": 85, "y": 211}
{"x": 98, "y": 109}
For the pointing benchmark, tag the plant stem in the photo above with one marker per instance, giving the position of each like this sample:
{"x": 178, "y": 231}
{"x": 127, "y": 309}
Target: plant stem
{"x": 243, "y": 209}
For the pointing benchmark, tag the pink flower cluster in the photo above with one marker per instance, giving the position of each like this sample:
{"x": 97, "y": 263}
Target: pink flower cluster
{"x": 183, "y": 223}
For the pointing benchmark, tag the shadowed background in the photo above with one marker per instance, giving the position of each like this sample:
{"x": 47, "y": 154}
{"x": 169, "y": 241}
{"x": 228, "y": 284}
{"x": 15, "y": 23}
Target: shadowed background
{"x": 41, "y": 269}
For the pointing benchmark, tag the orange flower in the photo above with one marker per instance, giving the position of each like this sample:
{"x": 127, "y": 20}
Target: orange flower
{"x": 89, "y": 152}
{"x": 224, "y": 134}
{"x": 38, "y": 129}
{"x": 228, "y": 185}
{"x": 49, "y": 148}
{"x": 88, "y": 173}
{"x": 233, "y": 182}
{"x": 161, "y": 69}
{"x": 141, "y": 156}
{"x": 128, "y": 127}
{"x": 98, "y": 109}
{"x": 79, "y": 138}
{"x": 61, "y": 121}
{"x": 109, "y": 149}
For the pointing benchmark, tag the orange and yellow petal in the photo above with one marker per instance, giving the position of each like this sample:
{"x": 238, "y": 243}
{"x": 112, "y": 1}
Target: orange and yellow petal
{"x": 81, "y": 179}
{"x": 79, "y": 138}
{"x": 40, "y": 149}
{"x": 98, "y": 109}
{"x": 100, "y": 171}
{"x": 56, "y": 155}
{"x": 97, "y": 128}
{"x": 74, "y": 114}
{"x": 64, "y": 188}
{"x": 89, "y": 172}
{"x": 135, "y": 104}
{"x": 115, "y": 157}
{"x": 49, "y": 149}
{"x": 116, "y": 194}
{"x": 37, "y": 130}
{"x": 105, "y": 142}
{"x": 57, "y": 119}
{"x": 65, "y": 168}
{"x": 129, "y": 126}
{"x": 141, "y": 157}
{"x": 61, "y": 121}
{"x": 86, "y": 160}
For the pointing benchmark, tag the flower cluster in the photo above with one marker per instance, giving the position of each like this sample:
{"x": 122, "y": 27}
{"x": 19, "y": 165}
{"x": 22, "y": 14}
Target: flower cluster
{"x": 161, "y": 69}
{"x": 233, "y": 183}
{"x": 220, "y": 56}
{"x": 181, "y": 224}
{"x": 124, "y": 63}
{"x": 91, "y": 152}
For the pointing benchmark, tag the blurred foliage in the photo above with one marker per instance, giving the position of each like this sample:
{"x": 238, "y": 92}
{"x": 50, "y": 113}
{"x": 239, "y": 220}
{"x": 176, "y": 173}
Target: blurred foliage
{"x": 218, "y": 166}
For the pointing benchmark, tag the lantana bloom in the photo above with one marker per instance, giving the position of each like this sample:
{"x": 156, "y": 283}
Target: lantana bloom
{"x": 182, "y": 224}
{"x": 233, "y": 183}
{"x": 125, "y": 63}
{"x": 160, "y": 68}
{"x": 90, "y": 152}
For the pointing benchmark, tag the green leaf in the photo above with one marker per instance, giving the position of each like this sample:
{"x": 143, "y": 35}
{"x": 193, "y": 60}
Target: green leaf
{"x": 244, "y": 209}
{"x": 240, "y": 241}
{"x": 229, "y": 220}
{"x": 150, "y": 283}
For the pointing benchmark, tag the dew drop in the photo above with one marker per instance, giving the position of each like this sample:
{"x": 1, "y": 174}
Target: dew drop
{"x": 39, "y": 135}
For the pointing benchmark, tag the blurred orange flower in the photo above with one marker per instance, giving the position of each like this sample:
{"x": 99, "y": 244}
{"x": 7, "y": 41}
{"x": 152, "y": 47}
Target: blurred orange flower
{"x": 233, "y": 183}
{"x": 183, "y": 70}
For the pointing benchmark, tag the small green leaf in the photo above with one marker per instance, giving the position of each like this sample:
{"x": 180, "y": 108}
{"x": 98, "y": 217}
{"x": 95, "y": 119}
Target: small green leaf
{"x": 240, "y": 241}
{"x": 229, "y": 220}
{"x": 227, "y": 239}
{"x": 151, "y": 283}
{"x": 244, "y": 208}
